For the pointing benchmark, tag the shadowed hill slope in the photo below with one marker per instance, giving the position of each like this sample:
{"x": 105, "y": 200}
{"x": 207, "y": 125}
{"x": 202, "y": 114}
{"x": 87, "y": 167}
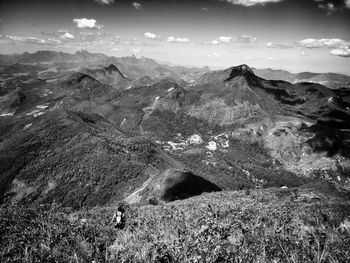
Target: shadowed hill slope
{"x": 182, "y": 185}
{"x": 77, "y": 159}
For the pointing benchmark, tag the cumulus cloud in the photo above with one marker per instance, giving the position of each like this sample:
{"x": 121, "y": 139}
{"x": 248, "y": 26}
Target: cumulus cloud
{"x": 151, "y": 35}
{"x": 104, "y": 2}
{"x": 249, "y": 3}
{"x": 67, "y": 35}
{"x": 271, "y": 58}
{"x": 323, "y": 42}
{"x": 224, "y": 39}
{"x": 339, "y": 47}
{"x": 276, "y": 45}
{"x": 207, "y": 9}
{"x": 341, "y": 52}
{"x": 136, "y": 5}
{"x": 178, "y": 40}
{"x": 86, "y": 23}
{"x": 220, "y": 40}
{"x": 330, "y": 7}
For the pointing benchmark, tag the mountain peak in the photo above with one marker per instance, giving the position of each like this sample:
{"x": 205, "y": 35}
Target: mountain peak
{"x": 112, "y": 68}
{"x": 241, "y": 70}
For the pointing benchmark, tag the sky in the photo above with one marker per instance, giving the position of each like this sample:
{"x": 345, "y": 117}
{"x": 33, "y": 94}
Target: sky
{"x": 293, "y": 35}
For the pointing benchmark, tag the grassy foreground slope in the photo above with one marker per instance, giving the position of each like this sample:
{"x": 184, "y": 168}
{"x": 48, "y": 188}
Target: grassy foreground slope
{"x": 269, "y": 225}
{"x": 272, "y": 225}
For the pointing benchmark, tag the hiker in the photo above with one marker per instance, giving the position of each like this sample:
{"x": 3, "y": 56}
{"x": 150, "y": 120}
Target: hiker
{"x": 119, "y": 218}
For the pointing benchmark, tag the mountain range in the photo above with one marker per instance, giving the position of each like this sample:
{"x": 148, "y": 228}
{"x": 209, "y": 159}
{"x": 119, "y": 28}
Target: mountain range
{"x": 87, "y": 131}
{"x": 330, "y": 80}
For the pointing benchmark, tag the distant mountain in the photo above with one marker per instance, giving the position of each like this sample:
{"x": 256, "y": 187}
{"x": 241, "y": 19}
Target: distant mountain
{"x": 330, "y": 80}
{"x": 109, "y": 75}
{"x": 131, "y": 67}
{"x": 222, "y": 101}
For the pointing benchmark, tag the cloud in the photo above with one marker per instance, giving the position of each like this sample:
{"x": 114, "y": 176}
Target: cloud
{"x": 61, "y": 33}
{"x": 86, "y": 23}
{"x": 178, "y": 40}
{"x": 151, "y": 35}
{"x": 330, "y": 7}
{"x": 227, "y": 39}
{"x": 83, "y": 39}
{"x": 211, "y": 55}
{"x": 276, "y": 45}
{"x": 104, "y": 2}
{"x": 67, "y": 35}
{"x": 341, "y": 52}
{"x": 205, "y": 9}
{"x": 347, "y": 3}
{"x": 33, "y": 40}
{"x": 131, "y": 41}
{"x": 271, "y": 58}
{"x": 323, "y": 42}
{"x": 136, "y": 50}
{"x": 219, "y": 40}
{"x": 249, "y": 3}
{"x": 224, "y": 39}
{"x": 333, "y": 6}
{"x": 339, "y": 47}
{"x": 303, "y": 54}
{"x": 136, "y": 5}
{"x": 52, "y": 41}
{"x": 246, "y": 39}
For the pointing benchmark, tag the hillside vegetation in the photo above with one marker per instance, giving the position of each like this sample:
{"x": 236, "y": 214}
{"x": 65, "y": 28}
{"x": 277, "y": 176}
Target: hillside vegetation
{"x": 274, "y": 225}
